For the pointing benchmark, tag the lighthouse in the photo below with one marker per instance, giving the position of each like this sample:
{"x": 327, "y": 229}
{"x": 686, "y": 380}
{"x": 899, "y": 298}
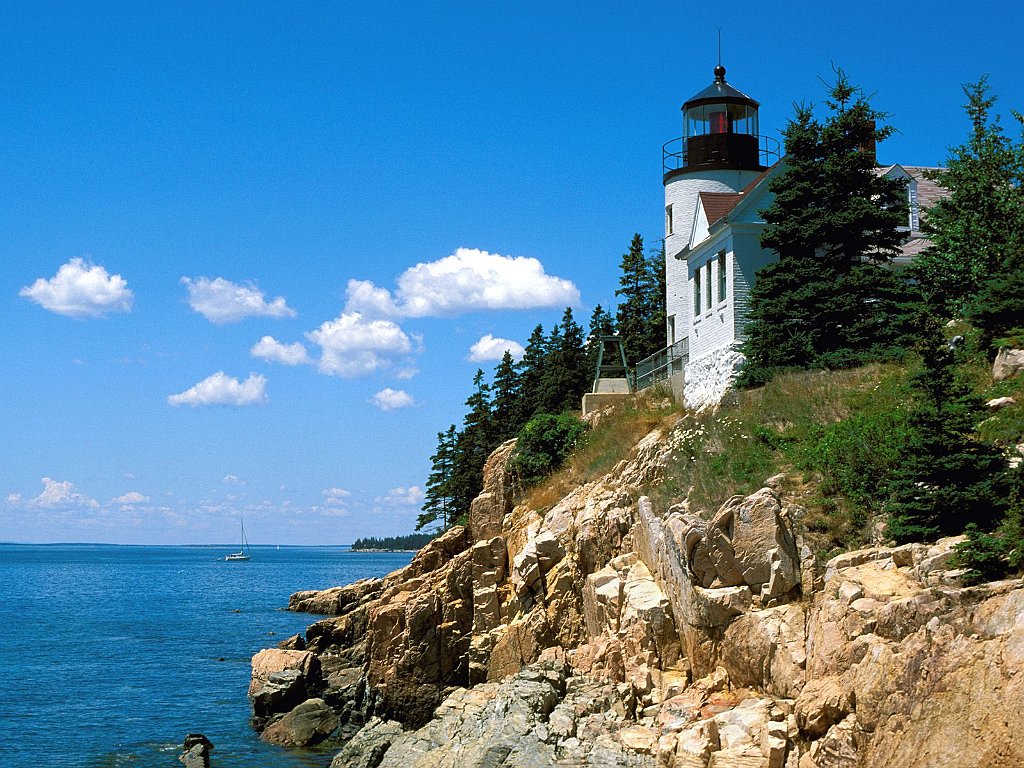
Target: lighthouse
{"x": 720, "y": 151}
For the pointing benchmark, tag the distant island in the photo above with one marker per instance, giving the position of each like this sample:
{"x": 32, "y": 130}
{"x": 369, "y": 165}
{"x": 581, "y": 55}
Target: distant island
{"x": 411, "y": 542}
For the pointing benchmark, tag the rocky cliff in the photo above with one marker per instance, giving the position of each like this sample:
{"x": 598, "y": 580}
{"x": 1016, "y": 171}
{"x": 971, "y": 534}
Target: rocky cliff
{"x": 606, "y": 631}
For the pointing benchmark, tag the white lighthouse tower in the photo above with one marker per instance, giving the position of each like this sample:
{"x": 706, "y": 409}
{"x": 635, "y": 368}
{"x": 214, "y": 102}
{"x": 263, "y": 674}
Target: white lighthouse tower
{"x": 719, "y": 151}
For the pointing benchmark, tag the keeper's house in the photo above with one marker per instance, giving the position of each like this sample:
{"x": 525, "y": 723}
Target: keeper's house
{"x": 716, "y": 178}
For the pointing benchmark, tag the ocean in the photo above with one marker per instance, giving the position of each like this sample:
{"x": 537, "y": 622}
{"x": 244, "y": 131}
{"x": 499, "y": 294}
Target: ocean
{"x": 112, "y": 654}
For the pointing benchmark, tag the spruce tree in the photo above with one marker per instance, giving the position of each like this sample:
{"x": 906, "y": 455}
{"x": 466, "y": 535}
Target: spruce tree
{"x": 507, "y": 392}
{"x": 565, "y": 376}
{"x": 472, "y": 447}
{"x": 438, "y": 504}
{"x": 640, "y": 316}
{"x": 531, "y": 372}
{"x": 977, "y": 229}
{"x": 948, "y": 478}
{"x": 834, "y": 220}
{"x": 601, "y": 324}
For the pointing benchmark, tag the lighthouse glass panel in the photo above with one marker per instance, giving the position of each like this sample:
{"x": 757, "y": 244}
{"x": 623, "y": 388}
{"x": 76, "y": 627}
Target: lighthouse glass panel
{"x": 721, "y": 118}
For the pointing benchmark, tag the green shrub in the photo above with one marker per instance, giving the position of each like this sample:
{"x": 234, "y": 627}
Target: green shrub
{"x": 543, "y": 445}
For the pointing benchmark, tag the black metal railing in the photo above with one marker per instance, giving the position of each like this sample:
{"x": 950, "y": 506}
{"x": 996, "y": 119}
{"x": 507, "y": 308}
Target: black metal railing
{"x": 662, "y": 365}
{"x": 673, "y": 153}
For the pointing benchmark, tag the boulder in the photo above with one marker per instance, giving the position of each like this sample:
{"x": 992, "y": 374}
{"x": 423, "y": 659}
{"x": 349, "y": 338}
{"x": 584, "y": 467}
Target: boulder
{"x": 310, "y": 722}
{"x": 196, "y": 751}
{"x": 1008, "y": 363}
{"x": 366, "y": 749}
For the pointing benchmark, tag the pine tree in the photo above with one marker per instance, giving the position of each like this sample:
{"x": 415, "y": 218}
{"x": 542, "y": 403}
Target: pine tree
{"x": 507, "y": 393}
{"x": 438, "y": 502}
{"x": 827, "y": 302}
{"x": 948, "y": 479}
{"x": 565, "y": 377}
{"x": 472, "y": 447}
{"x": 641, "y": 314}
{"x": 977, "y": 230}
{"x": 531, "y": 372}
{"x": 601, "y": 324}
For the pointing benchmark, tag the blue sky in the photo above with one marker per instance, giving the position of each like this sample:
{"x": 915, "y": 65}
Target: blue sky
{"x": 188, "y": 191}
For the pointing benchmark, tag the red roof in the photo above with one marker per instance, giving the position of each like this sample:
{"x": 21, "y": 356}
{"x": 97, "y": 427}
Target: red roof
{"x": 720, "y": 204}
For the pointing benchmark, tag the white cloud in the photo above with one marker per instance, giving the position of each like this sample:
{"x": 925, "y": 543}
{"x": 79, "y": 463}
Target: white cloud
{"x": 232, "y": 480}
{"x": 392, "y": 399}
{"x": 221, "y": 389}
{"x": 403, "y": 497}
{"x": 269, "y": 348}
{"x": 466, "y": 281}
{"x": 335, "y": 496}
{"x": 132, "y": 497}
{"x": 221, "y": 301}
{"x": 81, "y": 289}
{"x": 56, "y": 493}
{"x": 354, "y": 346}
{"x": 491, "y": 348}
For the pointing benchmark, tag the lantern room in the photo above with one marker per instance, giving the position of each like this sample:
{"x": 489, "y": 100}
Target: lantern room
{"x": 720, "y": 128}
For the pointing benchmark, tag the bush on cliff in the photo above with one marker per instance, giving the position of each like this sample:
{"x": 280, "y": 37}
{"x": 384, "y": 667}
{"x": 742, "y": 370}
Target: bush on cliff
{"x": 543, "y": 445}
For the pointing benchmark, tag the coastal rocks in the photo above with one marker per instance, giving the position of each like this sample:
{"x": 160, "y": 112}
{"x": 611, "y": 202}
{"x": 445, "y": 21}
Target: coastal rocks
{"x": 196, "y": 751}
{"x": 335, "y": 600}
{"x": 488, "y": 510}
{"x": 281, "y": 679}
{"x": 310, "y": 722}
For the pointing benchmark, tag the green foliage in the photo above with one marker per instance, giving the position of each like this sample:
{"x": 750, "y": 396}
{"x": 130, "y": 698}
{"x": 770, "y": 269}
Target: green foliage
{"x": 412, "y": 541}
{"x": 948, "y": 478}
{"x": 977, "y": 231}
{"x": 543, "y": 444}
{"x": 565, "y": 377}
{"x": 641, "y": 313}
{"x": 472, "y": 446}
{"x": 439, "y": 504}
{"x": 826, "y": 302}
{"x": 982, "y": 554}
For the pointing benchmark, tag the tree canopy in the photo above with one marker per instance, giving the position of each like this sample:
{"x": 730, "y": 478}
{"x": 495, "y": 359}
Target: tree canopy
{"x": 834, "y": 221}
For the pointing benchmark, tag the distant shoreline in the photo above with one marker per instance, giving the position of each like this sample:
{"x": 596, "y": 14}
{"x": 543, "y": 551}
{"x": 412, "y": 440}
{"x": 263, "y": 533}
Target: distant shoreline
{"x": 382, "y": 550}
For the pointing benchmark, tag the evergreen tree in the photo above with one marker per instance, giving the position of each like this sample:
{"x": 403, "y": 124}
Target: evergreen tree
{"x": 948, "y": 479}
{"x": 641, "y": 313}
{"x": 438, "y": 500}
{"x": 531, "y": 372}
{"x": 472, "y": 446}
{"x": 565, "y": 377}
{"x": 978, "y": 228}
{"x": 827, "y": 302}
{"x": 507, "y": 393}
{"x": 601, "y": 324}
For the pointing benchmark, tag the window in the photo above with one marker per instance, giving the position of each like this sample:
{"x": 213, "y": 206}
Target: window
{"x": 721, "y": 277}
{"x": 915, "y": 221}
{"x": 707, "y": 270}
{"x": 668, "y": 219}
{"x": 670, "y": 328}
{"x": 696, "y": 292}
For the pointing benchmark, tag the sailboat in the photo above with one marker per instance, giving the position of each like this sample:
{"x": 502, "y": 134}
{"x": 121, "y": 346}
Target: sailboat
{"x": 243, "y": 553}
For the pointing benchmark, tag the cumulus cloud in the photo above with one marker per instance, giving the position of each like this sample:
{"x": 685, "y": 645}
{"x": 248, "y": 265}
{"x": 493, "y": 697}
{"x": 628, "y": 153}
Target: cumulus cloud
{"x": 56, "y": 493}
{"x": 81, "y": 289}
{"x": 465, "y": 281}
{"x": 491, "y": 348}
{"x": 392, "y": 399}
{"x": 352, "y": 345}
{"x": 132, "y": 497}
{"x": 221, "y": 389}
{"x": 221, "y": 301}
{"x": 269, "y": 348}
{"x": 335, "y": 496}
{"x": 232, "y": 480}
{"x": 403, "y": 497}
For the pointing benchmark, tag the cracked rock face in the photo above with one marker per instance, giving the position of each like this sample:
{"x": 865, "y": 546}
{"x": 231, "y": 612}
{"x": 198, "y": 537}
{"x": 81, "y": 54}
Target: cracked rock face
{"x": 605, "y": 631}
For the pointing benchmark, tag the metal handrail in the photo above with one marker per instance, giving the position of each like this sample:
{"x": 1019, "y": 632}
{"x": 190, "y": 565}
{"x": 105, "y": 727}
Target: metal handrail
{"x": 673, "y": 152}
{"x": 662, "y": 364}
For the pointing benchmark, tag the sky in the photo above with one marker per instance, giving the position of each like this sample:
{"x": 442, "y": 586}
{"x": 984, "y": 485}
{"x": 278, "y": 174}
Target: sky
{"x": 251, "y": 254}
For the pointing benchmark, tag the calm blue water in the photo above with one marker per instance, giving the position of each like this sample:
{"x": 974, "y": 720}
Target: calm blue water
{"x": 109, "y": 655}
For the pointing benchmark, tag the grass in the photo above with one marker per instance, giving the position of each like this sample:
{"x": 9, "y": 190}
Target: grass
{"x": 837, "y": 436}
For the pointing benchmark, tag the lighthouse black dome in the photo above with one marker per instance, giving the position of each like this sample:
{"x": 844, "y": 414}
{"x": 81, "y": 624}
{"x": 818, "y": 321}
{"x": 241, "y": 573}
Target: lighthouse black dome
{"x": 720, "y": 92}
